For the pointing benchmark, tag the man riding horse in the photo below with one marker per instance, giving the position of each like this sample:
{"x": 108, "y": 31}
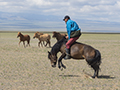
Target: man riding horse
{"x": 75, "y": 51}
{"x": 73, "y": 31}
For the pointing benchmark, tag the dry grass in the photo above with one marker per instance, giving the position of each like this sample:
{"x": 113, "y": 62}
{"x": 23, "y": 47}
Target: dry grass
{"x": 29, "y": 68}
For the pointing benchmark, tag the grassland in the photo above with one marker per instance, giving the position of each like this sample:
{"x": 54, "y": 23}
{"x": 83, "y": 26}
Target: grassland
{"x": 29, "y": 68}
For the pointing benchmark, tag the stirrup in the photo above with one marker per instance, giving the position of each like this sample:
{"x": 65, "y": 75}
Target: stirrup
{"x": 67, "y": 57}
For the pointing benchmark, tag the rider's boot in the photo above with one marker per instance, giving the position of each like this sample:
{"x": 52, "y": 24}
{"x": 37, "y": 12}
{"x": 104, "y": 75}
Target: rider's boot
{"x": 67, "y": 54}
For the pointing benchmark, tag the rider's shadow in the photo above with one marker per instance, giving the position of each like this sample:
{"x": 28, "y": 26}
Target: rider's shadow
{"x": 69, "y": 75}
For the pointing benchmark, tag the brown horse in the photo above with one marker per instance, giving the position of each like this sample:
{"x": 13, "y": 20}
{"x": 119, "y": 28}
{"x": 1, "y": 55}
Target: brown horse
{"x": 77, "y": 51}
{"x": 44, "y": 37}
{"x": 24, "y": 38}
{"x": 38, "y": 34}
{"x": 58, "y": 35}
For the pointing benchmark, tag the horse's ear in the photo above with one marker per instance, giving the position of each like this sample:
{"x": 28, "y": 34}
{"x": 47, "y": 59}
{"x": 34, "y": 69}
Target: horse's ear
{"x": 53, "y": 32}
{"x": 64, "y": 37}
{"x": 49, "y": 52}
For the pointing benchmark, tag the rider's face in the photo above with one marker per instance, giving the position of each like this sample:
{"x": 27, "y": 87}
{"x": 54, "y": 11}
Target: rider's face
{"x": 66, "y": 20}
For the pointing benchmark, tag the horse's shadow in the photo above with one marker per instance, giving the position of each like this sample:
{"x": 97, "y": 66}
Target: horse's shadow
{"x": 48, "y": 47}
{"x": 105, "y": 77}
{"x": 99, "y": 77}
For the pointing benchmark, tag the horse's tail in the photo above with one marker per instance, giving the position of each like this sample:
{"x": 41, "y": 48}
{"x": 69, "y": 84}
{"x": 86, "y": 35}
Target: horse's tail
{"x": 28, "y": 37}
{"x": 96, "y": 60}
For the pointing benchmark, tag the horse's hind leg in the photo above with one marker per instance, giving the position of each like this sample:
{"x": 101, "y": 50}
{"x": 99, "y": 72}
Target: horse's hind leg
{"x": 49, "y": 42}
{"x": 43, "y": 43}
{"x": 46, "y": 43}
{"x": 96, "y": 70}
{"x": 24, "y": 44}
{"x": 28, "y": 43}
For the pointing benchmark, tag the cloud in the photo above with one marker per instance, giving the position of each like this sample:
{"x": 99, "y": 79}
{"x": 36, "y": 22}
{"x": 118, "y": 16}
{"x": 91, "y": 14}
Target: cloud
{"x": 3, "y": 3}
{"x": 39, "y": 2}
{"x": 27, "y": 10}
{"x": 52, "y": 7}
{"x": 12, "y": 6}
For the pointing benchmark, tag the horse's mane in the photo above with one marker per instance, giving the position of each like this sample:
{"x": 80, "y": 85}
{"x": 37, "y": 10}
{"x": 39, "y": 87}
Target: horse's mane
{"x": 63, "y": 40}
{"x": 56, "y": 48}
{"x": 21, "y": 34}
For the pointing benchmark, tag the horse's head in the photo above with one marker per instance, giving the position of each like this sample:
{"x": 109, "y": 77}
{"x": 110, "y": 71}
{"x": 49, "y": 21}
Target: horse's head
{"x": 53, "y": 59}
{"x": 55, "y": 34}
{"x": 35, "y": 35}
{"x": 19, "y": 33}
{"x": 58, "y": 35}
{"x": 39, "y": 33}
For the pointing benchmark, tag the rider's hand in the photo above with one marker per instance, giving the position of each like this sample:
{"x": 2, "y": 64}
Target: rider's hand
{"x": 66, "y": 37}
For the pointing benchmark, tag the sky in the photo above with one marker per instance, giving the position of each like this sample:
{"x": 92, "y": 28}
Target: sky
{"x": 47, "y": 15}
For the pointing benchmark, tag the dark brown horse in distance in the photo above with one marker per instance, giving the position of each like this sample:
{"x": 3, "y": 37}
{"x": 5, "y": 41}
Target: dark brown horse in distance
{"x": 24, "y": 38}
{"x": 58, "y": 35}
{"x": 78, "y": 51}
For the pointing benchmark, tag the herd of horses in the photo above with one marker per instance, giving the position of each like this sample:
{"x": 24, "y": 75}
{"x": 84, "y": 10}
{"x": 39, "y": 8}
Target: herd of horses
{"x": 77, "y": 51}
{"x": 41, "y": 37}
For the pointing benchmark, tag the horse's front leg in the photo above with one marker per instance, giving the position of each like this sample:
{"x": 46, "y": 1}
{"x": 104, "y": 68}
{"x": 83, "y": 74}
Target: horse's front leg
{"x": 60, "y": 64}
{"x": 46, "y": 43}
{"x": 19, "y": 42}
{"x": 43, "y": 43}
{"x": 63, "y": 65}
{"x": 39, "y": 43}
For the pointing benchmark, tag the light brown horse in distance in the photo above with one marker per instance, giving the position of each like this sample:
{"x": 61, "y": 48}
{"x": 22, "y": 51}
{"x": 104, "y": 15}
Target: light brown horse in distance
{"x": 24, "y": 38}
{"x": 58, "y": 35}
{"x": 44, "y": 37}
{"x": 39, "y": 33}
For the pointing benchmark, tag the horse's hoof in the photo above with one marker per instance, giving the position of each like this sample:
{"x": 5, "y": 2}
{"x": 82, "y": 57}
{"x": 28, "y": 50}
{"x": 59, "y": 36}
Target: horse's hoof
{"x": 59, "y": 67}
{"x": 53, "y": 66}
{"x": 93, "y": 76}
{"x": 64, "y": 67}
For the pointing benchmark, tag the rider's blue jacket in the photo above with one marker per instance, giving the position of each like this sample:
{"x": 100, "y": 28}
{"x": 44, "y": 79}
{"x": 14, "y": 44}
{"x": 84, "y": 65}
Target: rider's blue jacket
{"x": 71, "y": 26}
